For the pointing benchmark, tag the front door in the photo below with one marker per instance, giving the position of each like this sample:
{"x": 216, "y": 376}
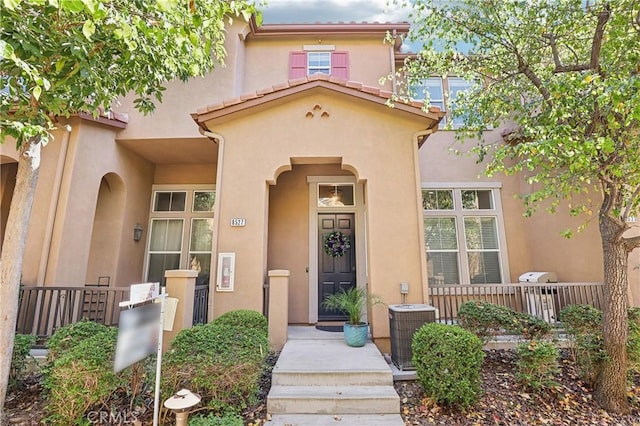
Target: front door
{"x": 335, "y": 273}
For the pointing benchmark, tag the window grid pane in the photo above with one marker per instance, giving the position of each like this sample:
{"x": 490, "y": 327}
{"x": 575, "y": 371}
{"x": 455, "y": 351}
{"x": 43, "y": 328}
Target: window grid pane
{"x": 319, "y": 62}
{"x": 481, "y": 233}
{"x": 203, "y": 201}
{"x": 169, "y": 201}
{"x": 456, "y": 86}
{"x": 477, "y": 199}
{"x": 442, "y": 250}
{"x": 437, "y": 199}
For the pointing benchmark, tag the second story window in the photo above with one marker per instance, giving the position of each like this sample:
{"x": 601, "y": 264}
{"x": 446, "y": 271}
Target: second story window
{"x": 319, "y": 62}
{"x": 439, "y": 91}
{"x": 303, "y": 63}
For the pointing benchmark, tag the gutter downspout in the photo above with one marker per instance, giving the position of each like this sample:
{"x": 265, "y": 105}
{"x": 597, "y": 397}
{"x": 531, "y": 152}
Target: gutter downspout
{"x": 53, "y": 207}
{"x": 417, "y": 137}
{"x": 219, "y": 140}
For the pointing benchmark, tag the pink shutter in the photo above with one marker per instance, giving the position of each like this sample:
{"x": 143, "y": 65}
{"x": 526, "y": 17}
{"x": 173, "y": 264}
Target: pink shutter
{"x": 340, "y": 65}
{"x": 297, "y": 65}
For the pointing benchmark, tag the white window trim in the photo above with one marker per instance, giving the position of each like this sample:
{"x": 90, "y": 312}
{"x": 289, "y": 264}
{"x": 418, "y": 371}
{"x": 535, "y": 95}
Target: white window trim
{"x": 185, "y": 215}
{"x": 459, "y": 213}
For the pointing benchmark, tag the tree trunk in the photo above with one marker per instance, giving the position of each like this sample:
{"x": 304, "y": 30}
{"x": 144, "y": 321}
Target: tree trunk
{"x": 13, "y": 252}
{"x": 611, "y": 385}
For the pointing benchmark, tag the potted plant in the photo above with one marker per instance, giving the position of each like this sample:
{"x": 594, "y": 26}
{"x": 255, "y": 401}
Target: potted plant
{"x": 353, "y": 303}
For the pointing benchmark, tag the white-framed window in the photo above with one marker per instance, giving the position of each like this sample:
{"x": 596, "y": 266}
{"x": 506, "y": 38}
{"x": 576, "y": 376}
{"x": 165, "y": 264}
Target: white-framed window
{"x": 464, "y": 235}
{"x": 180, "y": 231}
{"x": 336, "y": 195}
{"x": 318, "y": 62}
{"x": 442, "y": 93}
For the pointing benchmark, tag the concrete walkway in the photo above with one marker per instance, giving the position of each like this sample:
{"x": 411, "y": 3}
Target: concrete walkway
{"x": 319, "y": 380}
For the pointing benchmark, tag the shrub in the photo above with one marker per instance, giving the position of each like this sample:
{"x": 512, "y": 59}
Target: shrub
{"x": 633, "y": 342}
{"x": 211, "y": 420}
{"x": 82, "y": 376}
{"x": 537, "y": 365}
{"x": 70, "y": 335}
{"x": 21, "y": 346}
{"x": 485, "y": 320}
{"x": 448, "y": 359}
{"x": 243, "y": 318}
{"x": 584, "y": 324}
{"x": 221, "y": 363}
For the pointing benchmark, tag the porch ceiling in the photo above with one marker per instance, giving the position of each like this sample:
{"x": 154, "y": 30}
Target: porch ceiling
{"x": 174, "y": 151}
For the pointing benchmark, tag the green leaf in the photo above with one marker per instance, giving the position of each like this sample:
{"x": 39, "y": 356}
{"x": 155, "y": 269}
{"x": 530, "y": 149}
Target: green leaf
{"x": 88, "y": 29}
{"x": 73, "y": 6}
{"x": 36, "y": 92}
{"x": 11, "y": 4}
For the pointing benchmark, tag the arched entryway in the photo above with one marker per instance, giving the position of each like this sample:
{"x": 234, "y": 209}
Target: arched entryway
{"x": 307, "y": 202}
{"x": 107, "y": 229}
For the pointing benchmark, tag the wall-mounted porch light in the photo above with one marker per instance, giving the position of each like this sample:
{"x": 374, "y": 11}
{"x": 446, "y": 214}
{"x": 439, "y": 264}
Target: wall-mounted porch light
{"x": 137, "y": 232}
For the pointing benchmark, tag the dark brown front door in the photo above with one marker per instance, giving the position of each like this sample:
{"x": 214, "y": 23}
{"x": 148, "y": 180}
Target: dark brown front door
{"x": 335, "y": 273}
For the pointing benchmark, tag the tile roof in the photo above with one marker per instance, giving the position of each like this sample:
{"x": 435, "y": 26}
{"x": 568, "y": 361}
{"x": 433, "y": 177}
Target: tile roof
{"x": 358, "y": 88}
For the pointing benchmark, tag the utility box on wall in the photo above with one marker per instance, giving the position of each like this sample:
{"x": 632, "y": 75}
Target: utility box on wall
{"x": 404, "y": 320}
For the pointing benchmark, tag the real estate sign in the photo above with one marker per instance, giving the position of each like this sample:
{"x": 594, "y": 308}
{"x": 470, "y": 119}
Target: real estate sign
{"x": 138, "y": 335}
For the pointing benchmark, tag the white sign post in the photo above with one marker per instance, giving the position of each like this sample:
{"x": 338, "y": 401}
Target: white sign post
{"x": 140, "y": 332}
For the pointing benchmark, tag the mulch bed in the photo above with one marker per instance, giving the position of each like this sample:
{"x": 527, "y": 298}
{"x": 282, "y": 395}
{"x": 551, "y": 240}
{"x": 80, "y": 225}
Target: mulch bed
{"x": 504, "y": 402}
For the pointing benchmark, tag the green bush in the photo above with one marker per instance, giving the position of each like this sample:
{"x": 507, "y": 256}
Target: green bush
{"x": 486, "y": 320}
{"x": 448, "y": 360}
{"x": 221, "y": 363}
{"x": 82, "y": 376}
{"x": 21, "y": 346}
{"x": 584, "y": 324}
{"x": 70, "y": 335}
{"x": 243, "y": 318}
{"x": 537, "y": 365}
{"x": 633, "y": 342}
{"x": 211, "y": 420}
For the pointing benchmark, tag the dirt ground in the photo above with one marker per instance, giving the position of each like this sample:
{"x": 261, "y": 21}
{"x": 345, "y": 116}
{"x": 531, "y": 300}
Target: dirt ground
{"x": 503, "y": 401}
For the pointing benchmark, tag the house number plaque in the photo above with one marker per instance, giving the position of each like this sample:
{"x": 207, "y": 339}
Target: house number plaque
{"x": 238, "y": 221}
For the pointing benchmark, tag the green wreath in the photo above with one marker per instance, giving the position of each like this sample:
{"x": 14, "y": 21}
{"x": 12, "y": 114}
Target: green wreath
{"x": 336, "y": 244}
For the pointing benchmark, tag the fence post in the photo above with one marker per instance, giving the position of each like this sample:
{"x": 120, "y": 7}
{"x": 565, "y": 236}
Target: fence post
{"x": 181, "y": 284}
{"x": 278, "y": 308}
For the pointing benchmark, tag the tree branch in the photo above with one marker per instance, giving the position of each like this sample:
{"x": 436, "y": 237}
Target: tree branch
{"x": 603, "y": 18}
{"x": 556, "y": 58}
{"x": 631, "y": 243}
{"x": 524, "y": 69}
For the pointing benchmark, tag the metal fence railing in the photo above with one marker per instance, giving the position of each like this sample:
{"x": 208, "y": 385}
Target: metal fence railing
{"x": 544, "y": 301}
{"x": 43, "y": 310}
{"x": 201, "y": 304}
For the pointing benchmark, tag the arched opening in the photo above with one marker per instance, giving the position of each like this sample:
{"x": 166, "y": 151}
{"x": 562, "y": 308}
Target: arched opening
{"x": 107, "y": 228}
{"x": 8, "y": 172}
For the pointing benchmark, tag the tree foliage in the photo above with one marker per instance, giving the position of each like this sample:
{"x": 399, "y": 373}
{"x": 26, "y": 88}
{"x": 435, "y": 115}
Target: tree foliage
{"x": 564, "y": 77}
{"x": 66, "y": 56}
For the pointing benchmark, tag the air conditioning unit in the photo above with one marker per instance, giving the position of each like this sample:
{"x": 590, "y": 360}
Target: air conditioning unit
{"x": 404, "y": 320}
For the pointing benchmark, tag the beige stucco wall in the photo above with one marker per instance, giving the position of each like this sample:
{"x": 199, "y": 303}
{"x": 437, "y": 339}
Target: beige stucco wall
{"x": 379, "y": 152}
{"x": 171, "y": 118}
{"x": 534, "y": 243}
{"x": 91, "y": 154}
{"x": 369, "y": 58}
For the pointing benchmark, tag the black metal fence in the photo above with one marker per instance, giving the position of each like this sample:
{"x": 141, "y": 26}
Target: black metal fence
{"x": 201, "y": 304}
{"x": 544, "y": 301}
{"x": 43, "y": 310}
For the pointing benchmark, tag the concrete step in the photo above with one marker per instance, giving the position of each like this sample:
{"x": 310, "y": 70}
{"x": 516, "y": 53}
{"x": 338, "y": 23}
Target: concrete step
{"x": 336, "y": 420}
{"x": 331, "y": 378}
{"x": 333, "y": 400}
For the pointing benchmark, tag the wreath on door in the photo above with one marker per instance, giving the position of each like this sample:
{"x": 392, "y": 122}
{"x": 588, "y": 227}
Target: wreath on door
{"x": 336, "y": 244}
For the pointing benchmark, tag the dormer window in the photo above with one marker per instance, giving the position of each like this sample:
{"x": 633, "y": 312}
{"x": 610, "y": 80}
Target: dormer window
{"x": 304, "y": 63}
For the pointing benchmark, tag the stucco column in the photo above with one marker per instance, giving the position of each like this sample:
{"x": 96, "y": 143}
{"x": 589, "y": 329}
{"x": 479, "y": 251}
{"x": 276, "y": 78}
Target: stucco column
{"x": 181, "y": 284}
{"x": 278, "y": 307}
